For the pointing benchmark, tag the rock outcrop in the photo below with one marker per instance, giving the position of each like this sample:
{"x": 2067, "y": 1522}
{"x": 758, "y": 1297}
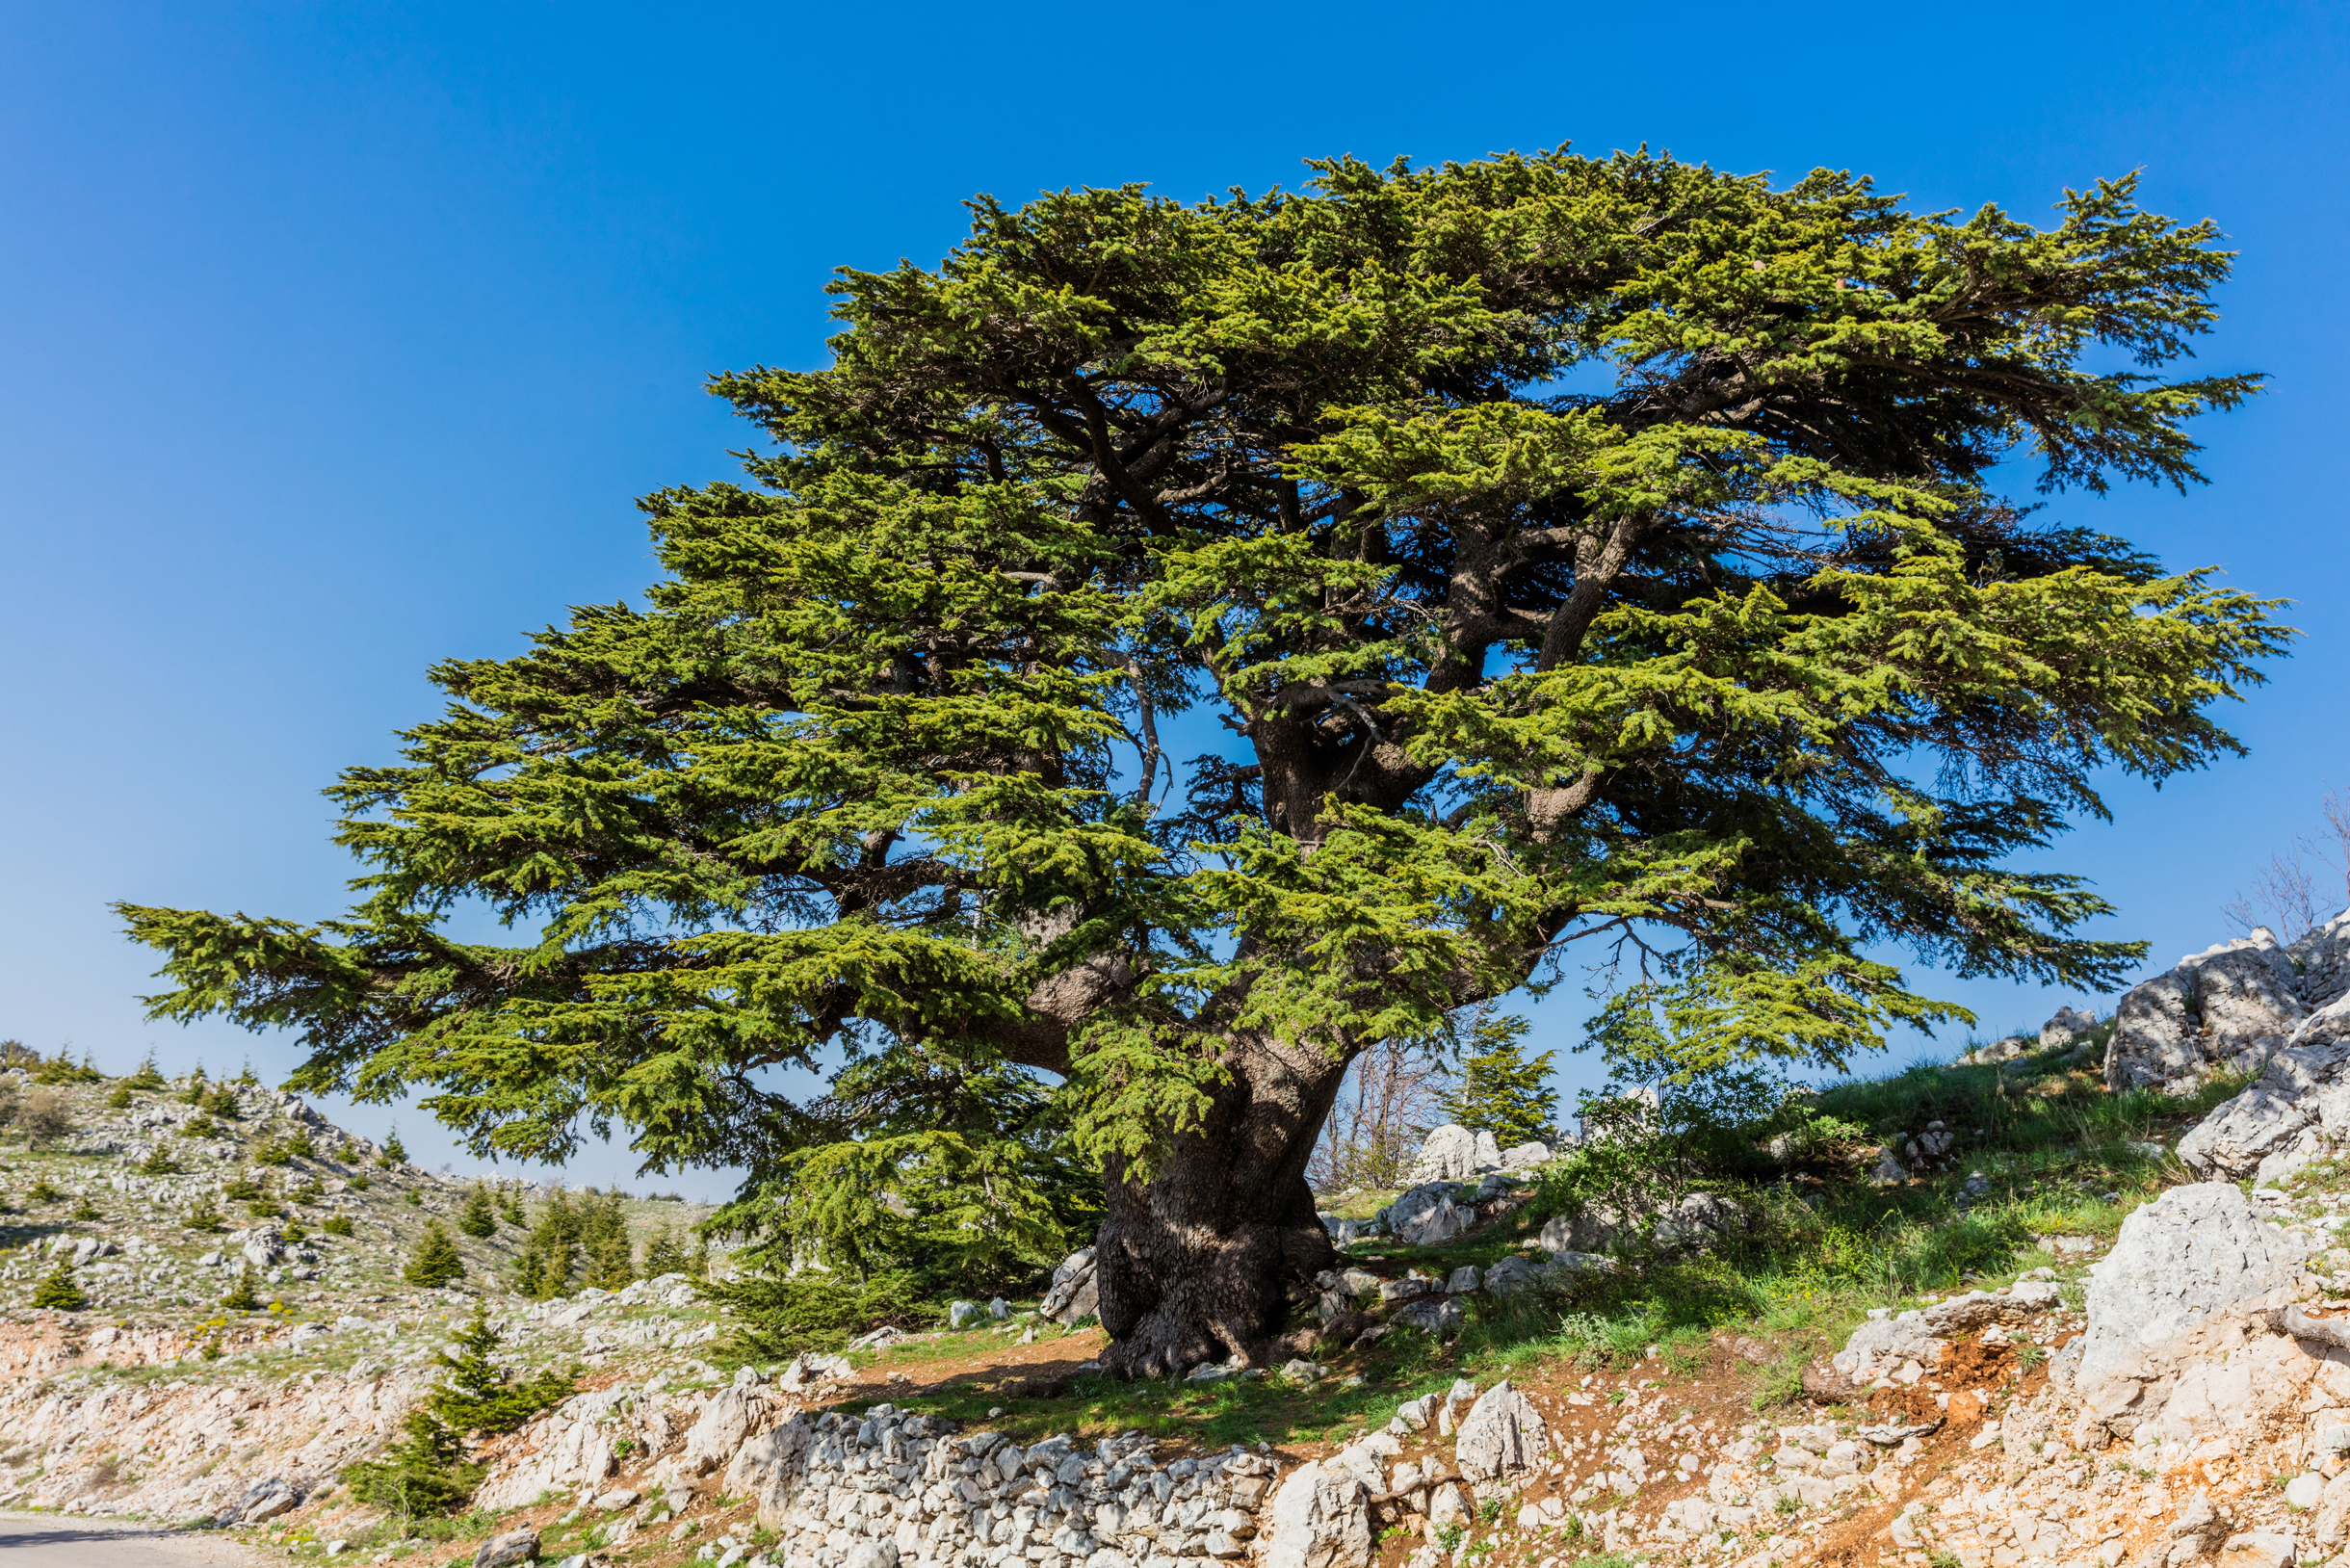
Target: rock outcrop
{"x": 2191, "y": 1254}
{"x": 2222, "y": 1010}
{"x": 2295, "y": 1112}
{"x": 1074, "y": 1293}
{"x": 1453, "y": 1152}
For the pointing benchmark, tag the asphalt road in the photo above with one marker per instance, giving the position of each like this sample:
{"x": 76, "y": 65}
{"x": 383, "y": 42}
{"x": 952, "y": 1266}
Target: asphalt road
{"x": 49, "y": 1541}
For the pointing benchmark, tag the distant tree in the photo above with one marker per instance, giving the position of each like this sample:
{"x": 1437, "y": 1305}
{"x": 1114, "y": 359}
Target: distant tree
{"x": 146, "y": 1077}
{"x": 159, "y": 1161}
{"x": 662, "y": 1255}
{"x": 194, "y": 1093}
{"x": 479, "y": 1219}
{"x": 395, "y": 1152}
{"x": 46, "y": 1117}
{"x": 58, "y": 1289}
{"x": 1389, "y": 1102}
{"x": 435, "y": 1261}
{"x": 120, "y": 1099}
{"x": 336, "y": 1225}
{"x": 241, "y": 1297}
{"x": 222, "y": 1101}
{"x": 604, "y": 1243}
{"x": 2304, "y": 887}
{"x": 203, "y": 1215}
{"x": 1498, "y": 1090}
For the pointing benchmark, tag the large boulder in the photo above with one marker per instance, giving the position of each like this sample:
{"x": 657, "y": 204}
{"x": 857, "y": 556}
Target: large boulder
{"x": 2321, "y": 962}
{"x": 2292, "y": 1114}
{"x": 1453, "y": 1152}
{"x": 2191, "y": 1253}
{"x": 1428, "y": 1214}
{"x": 1074, "y": 1293}
{"x": 1502, "y": 1438}
{"x": 2068, "y": 1026}
{"x": 2224, "y": 1008}
{"x": 724, "y": 1421}
{"x": 1320, "y": 1518}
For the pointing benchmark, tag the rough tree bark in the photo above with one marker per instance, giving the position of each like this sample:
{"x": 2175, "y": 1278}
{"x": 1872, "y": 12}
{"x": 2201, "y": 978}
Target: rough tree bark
{"x": 1204, "y": 1261}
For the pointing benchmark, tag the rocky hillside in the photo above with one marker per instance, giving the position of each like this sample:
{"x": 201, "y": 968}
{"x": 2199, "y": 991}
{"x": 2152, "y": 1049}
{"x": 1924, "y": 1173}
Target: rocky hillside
{"x": 2137, "y": 1366}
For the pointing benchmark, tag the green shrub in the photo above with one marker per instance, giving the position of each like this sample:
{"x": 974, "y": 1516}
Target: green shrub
{"x": 60, "y": 1069}
{"x": 242, "y": 1188}
{"x": 435, "y": 1261}
{"x": 783, "y": 1315}
{"x": 336, "y": 1225}
{"x": 221, "y": 1102}
{"x": 203, "y": 1216}
{"x": 120, "y": 1099}
{"x": 475, "y": 1396}
{"x": 159, "y": 1163}
{"x": 424, "y": 1472}
{"x": 146, "y": 1077}
{"x": 241, "y": 1297}
{"x": 87, "y": 1211}
{"x": 479, "y": 1219}
{"x": 43, "y": 1191}
{"x": 270, "y": 1152}
{"x": 58, "y": 1289}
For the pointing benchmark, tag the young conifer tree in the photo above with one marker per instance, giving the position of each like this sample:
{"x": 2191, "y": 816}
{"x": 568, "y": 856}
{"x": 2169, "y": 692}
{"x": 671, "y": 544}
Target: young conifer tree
{"x": 479, "y": 1219}
{"x": 59, "y": 1291}
{"x": 1574, "y": 551}
{"x": 435, "y": 1261}
{"x": 1497, "y": 1089}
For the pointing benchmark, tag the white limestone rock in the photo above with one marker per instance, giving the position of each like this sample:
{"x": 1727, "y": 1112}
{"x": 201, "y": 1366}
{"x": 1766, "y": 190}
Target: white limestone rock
{"x": 2293, "y": 1114}
{"x": 2069, "y": 1025}
{"x": 1453, "y": 1152}
{"x": 2193, "y": 1252}
{"x": 2225, "y": 1007}
{"x": 1502, "y": 1438}
{"x": 1320, "y": 1518}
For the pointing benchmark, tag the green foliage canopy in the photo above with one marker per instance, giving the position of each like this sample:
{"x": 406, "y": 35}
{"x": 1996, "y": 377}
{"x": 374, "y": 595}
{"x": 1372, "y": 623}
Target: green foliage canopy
{"x": 1577, "y": 551}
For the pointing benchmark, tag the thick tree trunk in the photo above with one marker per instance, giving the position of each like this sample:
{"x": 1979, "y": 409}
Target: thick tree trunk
{"x": 1205, "y": 1260}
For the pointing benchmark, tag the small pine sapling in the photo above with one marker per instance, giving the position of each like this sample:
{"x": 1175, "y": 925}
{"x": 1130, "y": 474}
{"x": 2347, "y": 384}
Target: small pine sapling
{"x": 241, "y": 1297}
{"x": 435, "y": 1261}
{"x": 58, "y": 1289}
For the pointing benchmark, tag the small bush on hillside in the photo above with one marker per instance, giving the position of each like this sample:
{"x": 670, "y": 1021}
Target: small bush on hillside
{"x": 61, "y": 1069}
{"x": 146, "y": 1077}
{"x": 205, "y": 1216}
{"x": 42, "y": 1191}
{"x": 476, "y": 1396}
{"x": 336, "y": 1225}
{"x": 1498, "y": 1090}
{"x": 222, "y": 1101}
{"x": 479, "y": 1219}
{"x": 241, "y": 1297}
{"x": 424, "y": 1472}
{"x": 270, "y": 1152}
{"x": 198, "y": 1125}
{"x": 46, "y": 1117}
{"x": 159, "y": 1163}
{"x": 435, "y": 1261}
{"x": 120, "y": 1099}
{"x": 783, "y": 1316}
{"x": 194, "y": 1093}
{"x": 87, "y": 1211}
{"x": 58, "y": 1289}
{"x": 395, "y": 1152}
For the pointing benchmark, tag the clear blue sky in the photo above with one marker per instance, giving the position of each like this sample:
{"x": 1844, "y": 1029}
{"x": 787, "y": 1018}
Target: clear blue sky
{"x": 335, "y": 339}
